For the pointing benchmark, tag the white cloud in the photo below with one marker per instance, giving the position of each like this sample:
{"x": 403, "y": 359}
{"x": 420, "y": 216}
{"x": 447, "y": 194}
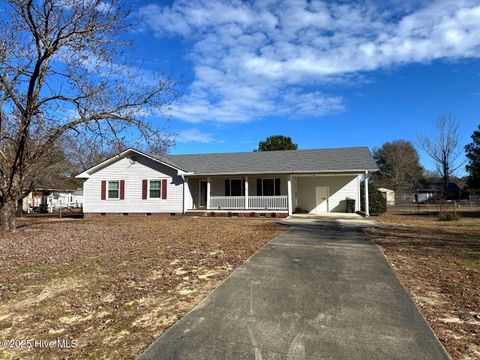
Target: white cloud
{"x": 277, "y": 57}
{"x": 194, "y": 135}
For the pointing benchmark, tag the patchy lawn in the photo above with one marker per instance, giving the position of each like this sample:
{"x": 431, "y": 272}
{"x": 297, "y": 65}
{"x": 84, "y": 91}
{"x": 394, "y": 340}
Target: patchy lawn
{"x": 114, "y": 284}
{"x": 439, "y": 264}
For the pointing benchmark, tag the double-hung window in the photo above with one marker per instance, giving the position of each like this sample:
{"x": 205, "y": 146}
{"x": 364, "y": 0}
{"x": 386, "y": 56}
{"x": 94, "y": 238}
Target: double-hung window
{"x": 234, "y": 187}
{"x": 114, "y": 189}
{"x": 155, "y": 189}
{"x": 268, "y": 187}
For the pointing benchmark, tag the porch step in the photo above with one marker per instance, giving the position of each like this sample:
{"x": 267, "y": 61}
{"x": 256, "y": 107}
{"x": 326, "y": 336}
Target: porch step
{"x": 235, "y": 213}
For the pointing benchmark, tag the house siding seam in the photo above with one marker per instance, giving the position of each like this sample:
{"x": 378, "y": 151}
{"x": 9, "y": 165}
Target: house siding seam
{"x": 133, "y": 173}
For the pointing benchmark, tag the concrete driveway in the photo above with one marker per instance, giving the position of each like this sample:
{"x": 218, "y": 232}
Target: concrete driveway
{"x": 322, "y": 290}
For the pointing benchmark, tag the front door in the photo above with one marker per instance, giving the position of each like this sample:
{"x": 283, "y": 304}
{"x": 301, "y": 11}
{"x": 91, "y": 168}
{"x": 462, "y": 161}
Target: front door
{"x": 203, "y": 194}
{"x": 322, "y": 194}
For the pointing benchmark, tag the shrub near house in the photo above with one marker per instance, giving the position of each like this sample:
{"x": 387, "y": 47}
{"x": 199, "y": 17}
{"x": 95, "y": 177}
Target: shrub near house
{"x": 377, "y": 202}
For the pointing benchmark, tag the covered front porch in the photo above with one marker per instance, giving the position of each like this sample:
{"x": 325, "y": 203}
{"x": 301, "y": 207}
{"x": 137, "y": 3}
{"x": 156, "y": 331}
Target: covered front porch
{"x": 284, "y": 193}
{"x": 252, "y": 193}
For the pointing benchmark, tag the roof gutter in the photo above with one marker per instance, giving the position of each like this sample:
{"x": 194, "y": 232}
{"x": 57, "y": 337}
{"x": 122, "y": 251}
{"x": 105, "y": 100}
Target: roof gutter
{"x": 323, "y": 172}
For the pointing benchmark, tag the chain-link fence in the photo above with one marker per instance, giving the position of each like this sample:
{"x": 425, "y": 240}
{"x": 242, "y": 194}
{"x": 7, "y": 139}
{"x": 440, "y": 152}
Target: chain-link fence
{"x": 455, "y": 206}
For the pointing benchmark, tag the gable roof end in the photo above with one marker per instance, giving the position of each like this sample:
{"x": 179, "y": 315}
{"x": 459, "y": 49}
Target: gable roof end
{"x": 86, "y": 173}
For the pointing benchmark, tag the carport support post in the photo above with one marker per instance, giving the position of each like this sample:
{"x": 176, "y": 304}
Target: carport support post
{"x": 289, "y": 195}
{"x": 246, "y": 192}
{"x": 367, "y": 207}
{"x": 208, "y": 193}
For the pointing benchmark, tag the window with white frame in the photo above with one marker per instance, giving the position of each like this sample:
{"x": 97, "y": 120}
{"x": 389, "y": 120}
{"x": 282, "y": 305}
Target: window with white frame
{"x": 234, "y": 187}
{"x": 268, "y": 187}
{"x": 114, "y": 189}
{"x": 155, "y": 189}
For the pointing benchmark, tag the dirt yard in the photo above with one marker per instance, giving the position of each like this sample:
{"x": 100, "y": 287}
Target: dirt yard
{"x": 112, "y": 285}
{"x": 439, "y": 264}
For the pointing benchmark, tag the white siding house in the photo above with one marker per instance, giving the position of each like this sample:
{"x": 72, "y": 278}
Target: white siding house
{"x": 52, "y": 200}
{"x": 133, "y": 173}
{"x": 282, "y": 182}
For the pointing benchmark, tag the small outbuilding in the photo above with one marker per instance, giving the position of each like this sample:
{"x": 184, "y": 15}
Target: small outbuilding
{"x": 389, "y": 195}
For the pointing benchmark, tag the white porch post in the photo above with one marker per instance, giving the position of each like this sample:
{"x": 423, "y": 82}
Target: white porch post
{"x": 208, "y": 193}
{"x": 185, "y": 186}
{"x": 246, "y": 192}
{"x": 367, "y": 208}
{"x": 289, "y": 194}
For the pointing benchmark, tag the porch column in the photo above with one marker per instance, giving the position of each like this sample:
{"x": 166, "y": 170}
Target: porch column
{"x": 208, "y": 193}
{"x": 246, "y": 192}
{"x": 187, "y": 195}
{"x": 367, "y": 208}
{"x": 185, "y": 186}
{"x": 289, "y": 195}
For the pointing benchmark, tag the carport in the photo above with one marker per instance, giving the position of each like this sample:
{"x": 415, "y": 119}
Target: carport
{"x": 322, "y": 193}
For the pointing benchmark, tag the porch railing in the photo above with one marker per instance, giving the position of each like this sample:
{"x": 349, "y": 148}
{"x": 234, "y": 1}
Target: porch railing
{"x": 227, "y": 202}
{"x": 268, "y": 202}
{"x": 254, "y": 202}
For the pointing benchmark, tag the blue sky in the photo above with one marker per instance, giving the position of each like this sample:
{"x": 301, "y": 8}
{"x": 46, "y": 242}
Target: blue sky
{"x": 327, "y": 74}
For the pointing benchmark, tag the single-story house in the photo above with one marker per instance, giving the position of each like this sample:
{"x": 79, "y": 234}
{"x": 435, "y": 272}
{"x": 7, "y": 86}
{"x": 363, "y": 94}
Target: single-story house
{"x": 47, "y": 199}
{"x": 434, "y": 192}
{"x": 280, "y": 182}
{"x": 389, "y": 195}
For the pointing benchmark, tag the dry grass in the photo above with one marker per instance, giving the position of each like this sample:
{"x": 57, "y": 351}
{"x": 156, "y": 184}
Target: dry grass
{"x": 114, "y": 284}
{"x": 439, "y": 264}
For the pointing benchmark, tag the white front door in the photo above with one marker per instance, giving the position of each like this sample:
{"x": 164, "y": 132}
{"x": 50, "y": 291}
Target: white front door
{"x": 322, "y": 194}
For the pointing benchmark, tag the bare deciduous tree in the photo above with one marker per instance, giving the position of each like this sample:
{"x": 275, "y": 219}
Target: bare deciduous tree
{"x": 83, "y": 153}
{"x": 63, "y": 70}
{"x": 443, "y": 147}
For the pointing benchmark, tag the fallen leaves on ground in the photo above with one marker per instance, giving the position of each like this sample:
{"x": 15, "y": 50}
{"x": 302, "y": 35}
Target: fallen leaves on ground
{"x": 114, "y": 284}
{"x": 439, "y": 264}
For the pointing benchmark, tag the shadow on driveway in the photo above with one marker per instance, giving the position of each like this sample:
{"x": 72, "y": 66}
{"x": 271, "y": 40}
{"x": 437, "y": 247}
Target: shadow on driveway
{"x": 322, "y": 290}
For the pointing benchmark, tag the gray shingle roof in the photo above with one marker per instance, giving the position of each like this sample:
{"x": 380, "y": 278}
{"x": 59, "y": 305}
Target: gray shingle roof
{"x": 289, "y": 161}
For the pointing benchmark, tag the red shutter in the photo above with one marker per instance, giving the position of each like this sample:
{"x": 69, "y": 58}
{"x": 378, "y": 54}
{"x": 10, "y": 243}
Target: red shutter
{"x": 144, "y": 189}
{"x": 122, "y": 189}
{"x": 164, "y": 189}
{"x": 104, "y": 189}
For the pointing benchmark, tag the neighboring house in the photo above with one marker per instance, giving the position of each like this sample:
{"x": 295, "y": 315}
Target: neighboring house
{"x": 281, "y": 182}
{"x": 434, "y": 192}
{"x": 389, "y": 195}
{"x": 43, "y": 200}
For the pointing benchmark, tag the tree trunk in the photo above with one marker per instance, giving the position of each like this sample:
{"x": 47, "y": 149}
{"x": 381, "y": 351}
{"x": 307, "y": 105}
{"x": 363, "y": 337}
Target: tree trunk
{"x": 7, "y": 215}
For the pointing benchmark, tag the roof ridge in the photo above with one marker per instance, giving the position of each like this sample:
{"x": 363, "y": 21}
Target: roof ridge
{"x": 267, "y": 152}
